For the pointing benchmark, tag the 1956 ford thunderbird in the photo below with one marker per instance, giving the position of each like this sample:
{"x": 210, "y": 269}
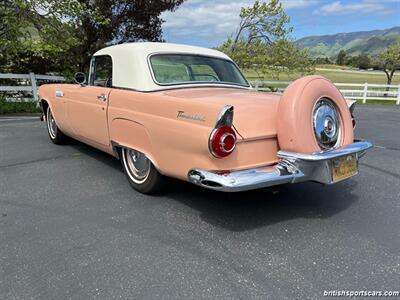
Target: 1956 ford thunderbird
{"x": 189, "y": 113}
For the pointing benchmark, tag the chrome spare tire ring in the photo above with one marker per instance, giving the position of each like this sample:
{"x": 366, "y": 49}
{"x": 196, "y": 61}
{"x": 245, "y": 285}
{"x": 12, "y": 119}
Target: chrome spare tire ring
{"x": 326, "y": 124}
{"x": 137, "y": 165}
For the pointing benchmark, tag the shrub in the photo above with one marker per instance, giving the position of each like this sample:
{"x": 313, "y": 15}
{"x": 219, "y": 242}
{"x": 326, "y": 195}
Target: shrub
{"x": 18, "y": 107}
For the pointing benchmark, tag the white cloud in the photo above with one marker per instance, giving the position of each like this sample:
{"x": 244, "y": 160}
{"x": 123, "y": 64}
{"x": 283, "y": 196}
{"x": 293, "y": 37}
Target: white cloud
{"x": 213, "y": 19}
{"x": 366, "y": 6}
{"x": 205, "y": 18}
{"x": 291, "y": 4}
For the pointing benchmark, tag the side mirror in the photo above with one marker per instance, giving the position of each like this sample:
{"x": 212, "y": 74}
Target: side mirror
{"x": 80, "y": 78}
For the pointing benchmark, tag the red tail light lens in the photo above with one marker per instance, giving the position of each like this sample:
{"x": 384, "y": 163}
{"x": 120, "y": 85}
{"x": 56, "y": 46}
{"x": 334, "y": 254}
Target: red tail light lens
{"x": 222, "y": 141}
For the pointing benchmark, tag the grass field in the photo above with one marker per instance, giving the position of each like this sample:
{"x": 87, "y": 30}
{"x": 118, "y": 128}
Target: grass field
{"x": 342, "y": 77}
{"x": 335, "y": 76}
{"x": 337, "y": 67}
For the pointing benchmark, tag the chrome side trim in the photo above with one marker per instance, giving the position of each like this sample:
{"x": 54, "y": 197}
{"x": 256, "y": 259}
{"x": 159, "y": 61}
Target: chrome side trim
{"x": 292, "y": 168}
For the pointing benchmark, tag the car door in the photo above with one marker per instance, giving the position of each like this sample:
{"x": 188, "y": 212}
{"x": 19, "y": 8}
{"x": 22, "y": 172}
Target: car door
{"x": 87, "y": 105}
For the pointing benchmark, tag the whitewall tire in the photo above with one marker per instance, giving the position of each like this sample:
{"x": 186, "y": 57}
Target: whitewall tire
{"x": 140, "y": 172}
{"x": 55, "y": 134}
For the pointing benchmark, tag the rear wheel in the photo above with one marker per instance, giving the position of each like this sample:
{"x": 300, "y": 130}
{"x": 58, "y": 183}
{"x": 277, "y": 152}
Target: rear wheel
{"x": 140, "y": 172}
{"x": 55, "y": 134}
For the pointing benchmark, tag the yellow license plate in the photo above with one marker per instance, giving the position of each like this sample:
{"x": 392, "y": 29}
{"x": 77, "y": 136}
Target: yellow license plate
{"x": 344, "y": 167}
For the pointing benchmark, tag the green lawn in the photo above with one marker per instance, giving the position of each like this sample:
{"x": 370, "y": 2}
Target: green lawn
{"x": 380, "y": 102}
{"x": 337, "y": 77}
{"x": 341, "y": 77}
{"x": 337, "y": 67}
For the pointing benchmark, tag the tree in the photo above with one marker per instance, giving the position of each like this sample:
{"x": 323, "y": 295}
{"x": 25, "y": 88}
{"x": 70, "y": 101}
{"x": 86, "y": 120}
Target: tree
{"x": 11, "y": 34}
{"x": 32, "y": 38}
{"x": 283, "y": 57}
{"x": 328, "y": 61}
{"x": 63, "y": 34}
{"x": 266, "y": 21}
{"x": 340, "y": 60}
{"x": 389, "y": 61}
{"x": 262, "y": 42}
{"x": 115, "y": 22}
{"x": 364, "y": 62}
{"x": 323, "y": 61}
{"x": 361, "y": 61}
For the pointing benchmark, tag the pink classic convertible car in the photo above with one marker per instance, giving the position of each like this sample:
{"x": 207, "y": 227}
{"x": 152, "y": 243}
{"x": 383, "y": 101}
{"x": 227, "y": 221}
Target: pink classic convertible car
{"x": 189, "y": 113}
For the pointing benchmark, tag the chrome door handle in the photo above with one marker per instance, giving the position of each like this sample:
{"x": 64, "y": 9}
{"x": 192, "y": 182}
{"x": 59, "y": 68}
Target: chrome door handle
{"x": 102, "y": 97}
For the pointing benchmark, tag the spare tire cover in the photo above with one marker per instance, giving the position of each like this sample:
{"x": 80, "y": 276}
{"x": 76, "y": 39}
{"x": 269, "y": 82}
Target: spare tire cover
{"x": 295, "y": 114}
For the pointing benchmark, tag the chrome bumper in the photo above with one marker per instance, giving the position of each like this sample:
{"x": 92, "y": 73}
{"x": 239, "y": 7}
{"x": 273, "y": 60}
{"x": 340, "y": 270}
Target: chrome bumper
{"x": 292, "y": 168}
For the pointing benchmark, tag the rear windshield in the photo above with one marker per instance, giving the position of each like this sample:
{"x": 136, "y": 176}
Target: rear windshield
{"x": 171, "y": 69}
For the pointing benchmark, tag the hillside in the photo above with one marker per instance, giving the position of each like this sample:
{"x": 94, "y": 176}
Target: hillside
{"x": 354, "y": 43}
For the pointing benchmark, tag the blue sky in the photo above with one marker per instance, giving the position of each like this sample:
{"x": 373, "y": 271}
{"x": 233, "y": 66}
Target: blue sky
{"x": 208, "y": 22}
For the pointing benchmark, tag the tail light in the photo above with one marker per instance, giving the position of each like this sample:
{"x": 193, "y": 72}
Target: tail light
{"x": 222, "y": 140}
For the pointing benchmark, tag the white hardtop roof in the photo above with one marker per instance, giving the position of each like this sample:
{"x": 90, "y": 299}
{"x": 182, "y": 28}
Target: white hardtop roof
{"x": 130, "y": 62}
{"x": 147, "y": 48}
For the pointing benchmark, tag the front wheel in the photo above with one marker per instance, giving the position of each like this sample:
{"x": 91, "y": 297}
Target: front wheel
{"x": 140, "y": 172}
{"x": 55, "y": 134}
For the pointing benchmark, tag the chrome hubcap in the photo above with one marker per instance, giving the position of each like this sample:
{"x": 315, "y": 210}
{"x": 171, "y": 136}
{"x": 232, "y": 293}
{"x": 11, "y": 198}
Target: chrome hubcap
{"x": 51, "y": 124}
{"x": 138, "y": 165}
{"x": 326, "y": 123}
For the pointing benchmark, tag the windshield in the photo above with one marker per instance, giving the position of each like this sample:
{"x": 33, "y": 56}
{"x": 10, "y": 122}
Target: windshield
{"x": 171, "y": 69}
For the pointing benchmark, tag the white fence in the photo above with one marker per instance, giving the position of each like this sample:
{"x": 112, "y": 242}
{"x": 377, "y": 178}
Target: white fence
{"x": 29, "y": 83}
{"x": 366, "y": 91}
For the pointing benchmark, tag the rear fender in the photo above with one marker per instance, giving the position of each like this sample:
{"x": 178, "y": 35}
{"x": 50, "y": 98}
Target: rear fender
{"x": 129, "y": 134}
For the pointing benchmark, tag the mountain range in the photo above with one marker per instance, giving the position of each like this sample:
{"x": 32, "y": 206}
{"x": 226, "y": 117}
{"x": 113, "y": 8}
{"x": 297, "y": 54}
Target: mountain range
{"x": 354, "y": 43}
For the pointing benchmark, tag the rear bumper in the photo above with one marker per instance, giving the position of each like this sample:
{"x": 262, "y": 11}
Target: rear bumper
{"x": 292, "y": 168}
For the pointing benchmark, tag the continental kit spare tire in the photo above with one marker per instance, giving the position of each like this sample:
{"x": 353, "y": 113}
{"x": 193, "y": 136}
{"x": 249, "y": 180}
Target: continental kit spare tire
{"x": 313, "y": 116}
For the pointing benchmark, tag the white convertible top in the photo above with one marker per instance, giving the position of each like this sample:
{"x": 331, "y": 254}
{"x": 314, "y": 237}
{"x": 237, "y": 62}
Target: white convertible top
{"x": 130, "y": 62}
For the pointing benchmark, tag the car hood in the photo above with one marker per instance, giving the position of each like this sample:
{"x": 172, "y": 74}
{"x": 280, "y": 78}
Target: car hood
{"x": 255, "y": 113}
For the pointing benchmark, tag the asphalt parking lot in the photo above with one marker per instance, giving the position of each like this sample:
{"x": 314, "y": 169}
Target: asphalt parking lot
{"x": 72, "y": 227}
